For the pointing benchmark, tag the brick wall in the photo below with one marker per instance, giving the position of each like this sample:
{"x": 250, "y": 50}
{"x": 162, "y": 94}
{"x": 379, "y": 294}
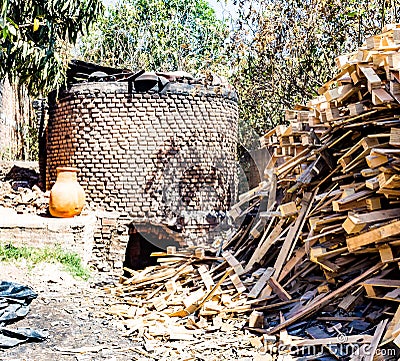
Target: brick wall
{"x": 169, "y": 158}
{"x": 72, "y": 234}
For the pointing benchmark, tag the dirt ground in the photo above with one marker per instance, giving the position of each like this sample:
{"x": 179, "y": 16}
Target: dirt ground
{"x": 74, "y": 313}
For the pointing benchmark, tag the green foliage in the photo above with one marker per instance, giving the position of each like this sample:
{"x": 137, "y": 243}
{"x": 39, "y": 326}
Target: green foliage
{"x": 284, "y": 50}
{"x": 71, "y": 261}
{"x": 35, "y": 39}
{"x": 158, "y": 35}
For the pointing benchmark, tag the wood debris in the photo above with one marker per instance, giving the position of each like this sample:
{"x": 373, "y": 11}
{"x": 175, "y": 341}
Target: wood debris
{"x": 315, "y": 259}
{"x": 19, "y": 190}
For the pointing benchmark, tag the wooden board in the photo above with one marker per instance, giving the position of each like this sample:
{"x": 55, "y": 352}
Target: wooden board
{"x": 373, "y": 236}
{"x": 315, "y": 306}
{"x": 261, "y": 283}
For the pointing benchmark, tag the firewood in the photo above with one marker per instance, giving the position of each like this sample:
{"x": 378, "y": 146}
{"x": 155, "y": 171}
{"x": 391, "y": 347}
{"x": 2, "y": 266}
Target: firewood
{"x": 320, "y": 233}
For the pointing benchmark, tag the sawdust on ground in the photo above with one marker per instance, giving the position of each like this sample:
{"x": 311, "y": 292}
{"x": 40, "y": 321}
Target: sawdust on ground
{"x": 74, "y": 312}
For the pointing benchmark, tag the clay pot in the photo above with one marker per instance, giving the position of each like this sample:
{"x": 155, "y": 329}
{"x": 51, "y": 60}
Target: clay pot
{"x": 67, "y": 196}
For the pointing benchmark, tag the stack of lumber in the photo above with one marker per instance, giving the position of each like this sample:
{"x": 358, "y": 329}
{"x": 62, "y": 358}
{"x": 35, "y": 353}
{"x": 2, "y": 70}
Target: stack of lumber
{"x": 315, "y": 259}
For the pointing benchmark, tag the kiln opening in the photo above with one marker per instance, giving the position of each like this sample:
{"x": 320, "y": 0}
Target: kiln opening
{"x": 146, "y": 238}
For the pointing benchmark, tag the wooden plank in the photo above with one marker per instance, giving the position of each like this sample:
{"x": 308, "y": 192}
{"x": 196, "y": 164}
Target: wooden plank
{"x": 338, "y": 92}
{"x": 351, "y": 225}
{"x": 321, "y": 235}
{"x": 395, "y": 136}
{"x": 374, "y": 81}
{"x": 327, "y": 265}
{"x": 341, "y": 204}
{"x": 382, "y": 282}
{"x": 381, "y": 96}
{"x": 393, "y": 295}
{"x": 372, "y": 183}
{"x": 233, "y": 262}
{"x": 392, "y": 182}
{"x": 277, "y": 305}
{"x": 235, "y": 211}
{"x": 389, "y": 193}
{"x": 278, "y": 289}
{"x": 245, "y": 197}
{"x": 376, "y": 338}
{"x": 272, "y": 192}
{"x": 339, "y": 318}
{"x": 314, "y": 307}
{"x": 348, "y": 302}
{"x": 396, "y": 341}
{"x": 298, "y": 256}
{"x": 261, "y": 283}
{"x": 288, "y": 209}
{"x": 347, "y": 95}
{"x": 206, "y": 277}
{"x": 356, "y": 222}
{"x": 332, "y": 114}
{"x": 255, "y": 232}
{"x": 342, "y": 60}
{"x": 356, "y": 108}
{"x": 386, "y": 151}
{"x": 256, "y": 319}
{"x": 161, "y": 276}
{"x": 348, "y": 164}
{"x": 299, "y": 158}
{"x": 171, "y": 286}
{"x": 237, "y": 282}
{"x": 291, "y": 238}
{"x": 392, "y": 327}
{"x": 366, "y": 143}
{"x": 196, "y": 306}
{"x": 318, "y": 224}
{"x": 386, "y": 253}
{"x": 373, "y": 236}
{"x": 179, "y": 333}
{"x": 367, "y": 173}
{"x": 263, "y": 247}
{"x": 373, "y": 203}
{"x": 373, "y": 41}
{"x": 349, "y": 122}
{"x": 346, "y": 68}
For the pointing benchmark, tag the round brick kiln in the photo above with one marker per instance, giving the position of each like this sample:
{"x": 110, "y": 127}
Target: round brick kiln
{"x": 168, "y": 157}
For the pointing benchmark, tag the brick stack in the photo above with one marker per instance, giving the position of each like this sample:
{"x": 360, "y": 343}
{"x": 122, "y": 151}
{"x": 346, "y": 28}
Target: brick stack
{"x": 165, "y": 157}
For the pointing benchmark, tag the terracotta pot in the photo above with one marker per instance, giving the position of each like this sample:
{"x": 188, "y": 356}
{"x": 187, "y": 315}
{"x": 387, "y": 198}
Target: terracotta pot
{"x": 67, "y": 196}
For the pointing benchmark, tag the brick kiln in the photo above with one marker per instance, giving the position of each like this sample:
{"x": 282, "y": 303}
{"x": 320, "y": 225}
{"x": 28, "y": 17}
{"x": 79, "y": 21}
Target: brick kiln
{"x": 163, "y": 159}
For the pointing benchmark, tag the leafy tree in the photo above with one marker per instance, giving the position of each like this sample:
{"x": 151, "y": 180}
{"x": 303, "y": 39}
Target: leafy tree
{"x": 36, "y": 38}
{"x": 158, "y": 35}
{"x": 284, "y": 50}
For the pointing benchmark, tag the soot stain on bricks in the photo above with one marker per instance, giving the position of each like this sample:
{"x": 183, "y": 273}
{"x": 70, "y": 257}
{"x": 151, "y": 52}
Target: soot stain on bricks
{"x": 166, "y": 158}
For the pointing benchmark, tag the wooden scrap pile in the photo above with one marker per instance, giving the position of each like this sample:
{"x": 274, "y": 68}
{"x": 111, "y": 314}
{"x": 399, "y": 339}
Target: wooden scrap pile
{"x": 316, "y": 259}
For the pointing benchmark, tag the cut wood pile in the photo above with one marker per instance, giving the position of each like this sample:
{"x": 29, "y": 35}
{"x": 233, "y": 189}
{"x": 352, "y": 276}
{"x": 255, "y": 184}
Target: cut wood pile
{"x": 315, "y": 260}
